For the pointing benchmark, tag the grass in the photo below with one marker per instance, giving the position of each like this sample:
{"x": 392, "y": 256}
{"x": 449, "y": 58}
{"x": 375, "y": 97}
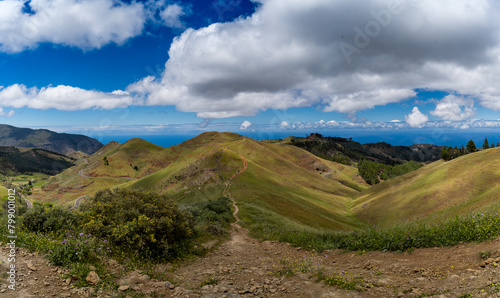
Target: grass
{"x": 435, "y": 192}
{"x": 485, "y": 254}
{"x": 340, "y": 282}
{"x": 403, "y": 237}
{"x": 209, "y": 281}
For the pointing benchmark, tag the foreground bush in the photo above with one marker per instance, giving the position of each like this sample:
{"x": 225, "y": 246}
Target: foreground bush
{"x": 147, "y": 224}
{"x": 48, "y": 219}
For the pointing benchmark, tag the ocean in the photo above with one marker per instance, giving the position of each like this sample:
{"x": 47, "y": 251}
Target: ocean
{"x": 441, "y": 137}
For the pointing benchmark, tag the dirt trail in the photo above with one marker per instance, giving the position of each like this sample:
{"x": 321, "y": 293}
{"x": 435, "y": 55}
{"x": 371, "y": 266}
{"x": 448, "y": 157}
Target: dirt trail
{"x": 227, "y": 194}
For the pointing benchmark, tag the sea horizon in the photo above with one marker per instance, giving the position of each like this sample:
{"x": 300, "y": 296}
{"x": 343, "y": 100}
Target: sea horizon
{"x": 394, "y": 138}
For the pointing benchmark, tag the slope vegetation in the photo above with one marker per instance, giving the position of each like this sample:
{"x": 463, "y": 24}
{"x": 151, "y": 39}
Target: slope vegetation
{"x": 437, "y": 191}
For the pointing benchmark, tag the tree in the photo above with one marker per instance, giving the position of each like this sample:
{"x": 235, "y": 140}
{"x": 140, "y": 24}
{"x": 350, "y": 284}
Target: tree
{"x": 492, "y": 145}
{"x": 445, "y": 154}
{"x": 471, "y": 147}
{"x": 486, "y": 145}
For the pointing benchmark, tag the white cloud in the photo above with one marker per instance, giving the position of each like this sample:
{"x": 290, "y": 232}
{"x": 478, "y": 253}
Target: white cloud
{"x": 171, "y": 16}
{"x": 332, "y": 125}
{"x": 63, "y": 98}
{"x": 7, "y": 114}
{"x": 89, "y": 24}
{"x": 416, "y": 118}
{"x": 395, "y": 121}
{"x": 245, "y": 125}
{"x": 291, "y": 54}
{"x": 450, "y": 108}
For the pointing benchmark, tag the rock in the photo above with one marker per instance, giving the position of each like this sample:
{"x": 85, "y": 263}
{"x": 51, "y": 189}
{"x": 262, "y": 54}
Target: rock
{"x": 123, "y": 288}
{"x": 93, "y": 278}
{"x": 67, "y": 281}
{"x": 31, "y": 267}
{"x": 113, "y": 263}
{"x": 489, "y": 261}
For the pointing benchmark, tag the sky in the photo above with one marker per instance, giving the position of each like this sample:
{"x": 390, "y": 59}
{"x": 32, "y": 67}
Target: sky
{"x": 110, "y": 67}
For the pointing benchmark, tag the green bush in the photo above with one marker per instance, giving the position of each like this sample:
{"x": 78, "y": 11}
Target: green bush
{"x": 45, "y": 219}
{"x": 209, "y": 212}
{"x": 371, "y": 170}
{"x": 147, "y": 224}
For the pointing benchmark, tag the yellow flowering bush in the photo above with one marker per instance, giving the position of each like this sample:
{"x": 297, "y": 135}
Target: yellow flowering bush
{"x": 147, "y": 224}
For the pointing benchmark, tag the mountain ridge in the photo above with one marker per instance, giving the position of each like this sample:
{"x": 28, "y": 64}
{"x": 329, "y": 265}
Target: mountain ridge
{"x": 63, "y": 143}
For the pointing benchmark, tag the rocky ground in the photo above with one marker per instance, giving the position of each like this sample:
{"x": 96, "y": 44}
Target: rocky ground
{"x": 246, "y": 267}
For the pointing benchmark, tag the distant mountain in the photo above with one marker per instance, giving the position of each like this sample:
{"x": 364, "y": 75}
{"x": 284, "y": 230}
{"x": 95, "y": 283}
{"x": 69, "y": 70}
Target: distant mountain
{"x": 347, "y": 151}
{"x": 22, "y": 160}
{"x": 45, "y": 139}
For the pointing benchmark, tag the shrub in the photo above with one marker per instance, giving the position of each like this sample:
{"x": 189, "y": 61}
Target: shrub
{"x": 212, "y": 212}
{"x": 44, "y": 219}
{"x": 148, "y": 224}
{"x": 78, "y": 248}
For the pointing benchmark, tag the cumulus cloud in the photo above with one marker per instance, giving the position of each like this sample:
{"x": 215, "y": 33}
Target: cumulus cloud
{"x": 293, "y": 54}
{"x": 416, "y": 118}
{"x": 88, "y": 24}
{"x": 245, "y": 125}
{"x": 171, "y": 16}
{"x": 450, "y": 108}
{"x": 62, "y": 97}
{"x": 334, "y": 55}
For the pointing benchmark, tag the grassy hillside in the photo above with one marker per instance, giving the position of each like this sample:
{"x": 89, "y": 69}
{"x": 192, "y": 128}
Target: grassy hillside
{"x": 437, "y": 191}
{"x": 282, "y": 184}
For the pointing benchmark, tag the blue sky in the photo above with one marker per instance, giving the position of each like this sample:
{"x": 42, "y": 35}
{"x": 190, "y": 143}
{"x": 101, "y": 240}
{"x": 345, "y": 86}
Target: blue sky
{"x": 183, "y": 67}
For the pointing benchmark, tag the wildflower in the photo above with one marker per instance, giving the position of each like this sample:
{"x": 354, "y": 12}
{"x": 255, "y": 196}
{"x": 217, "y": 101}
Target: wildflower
{"x": 87, "y": 241}
{"x": 343, "y": 272}
{"x": 64, "y": 241}
{"x": 76, "y": 253}
{"x": 81, "y": 234}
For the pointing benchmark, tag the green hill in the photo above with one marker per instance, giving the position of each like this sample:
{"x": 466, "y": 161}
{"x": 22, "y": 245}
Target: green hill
{"x": 282, "y": 184}
{"x": 91, "y": 174}
{"x": 437, "y": 191}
